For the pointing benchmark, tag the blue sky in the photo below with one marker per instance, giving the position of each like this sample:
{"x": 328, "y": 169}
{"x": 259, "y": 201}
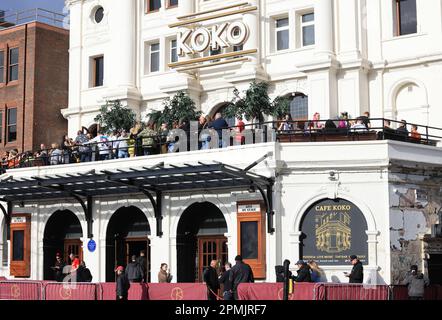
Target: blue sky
{"x": 14, "y": 5}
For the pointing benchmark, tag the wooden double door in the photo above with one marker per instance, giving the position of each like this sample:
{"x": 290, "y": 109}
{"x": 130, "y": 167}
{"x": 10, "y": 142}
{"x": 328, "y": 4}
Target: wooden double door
{"x": 211, "y": 248}
{"x": 74, "y": 246}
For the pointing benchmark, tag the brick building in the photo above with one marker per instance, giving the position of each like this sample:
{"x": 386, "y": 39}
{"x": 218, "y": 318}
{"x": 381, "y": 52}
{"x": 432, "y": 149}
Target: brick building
{"x": 33, "y": 85}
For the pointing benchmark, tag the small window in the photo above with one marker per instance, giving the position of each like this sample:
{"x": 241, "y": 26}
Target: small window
{"x": 98, "y": 67}
{"x": 154, "y": 57}
{"x": 12, "y": 125}
{"x": 308, "y": 29}
{"x": 153, "y": 5}
{"x": 13, "y": 64}
{"x": 18, "y": 246}
{"x": 282, "y": 34}
{"x": 2, "y": 66}
{"x": 99, "y": 14}
{"x": 173, "y": 51}
{"x": 172, "y": 3}
{"x": 405, "y": 16}
{"x": 249, "y": 240}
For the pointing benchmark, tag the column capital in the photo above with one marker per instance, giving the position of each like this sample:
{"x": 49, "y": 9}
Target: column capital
{"x": 372, "y": 233}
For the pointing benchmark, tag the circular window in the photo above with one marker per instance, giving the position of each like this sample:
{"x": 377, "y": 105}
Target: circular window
{"x": 99, "y": 14}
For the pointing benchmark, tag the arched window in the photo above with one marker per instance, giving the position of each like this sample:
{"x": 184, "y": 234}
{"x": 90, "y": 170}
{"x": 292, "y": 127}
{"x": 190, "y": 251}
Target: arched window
{"x": 409, "y": 103}
{"x": 299, "y": 107}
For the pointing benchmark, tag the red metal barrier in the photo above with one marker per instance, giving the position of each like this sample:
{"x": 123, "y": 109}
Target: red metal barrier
{"x": 400, "y": 292}
{"x": 355, "y": 292}
{"x": 21, "y": 290}
{"x": 431, "y": 293}
{"x": 67, "y": 291}
{"x": 275, "y": 291}
{"x": 177, "y": 291}
{"x": 137, "y": 291}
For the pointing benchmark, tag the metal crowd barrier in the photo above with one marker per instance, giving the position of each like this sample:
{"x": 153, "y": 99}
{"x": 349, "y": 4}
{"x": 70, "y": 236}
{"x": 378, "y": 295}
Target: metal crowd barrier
{"x": 49, "y": 290}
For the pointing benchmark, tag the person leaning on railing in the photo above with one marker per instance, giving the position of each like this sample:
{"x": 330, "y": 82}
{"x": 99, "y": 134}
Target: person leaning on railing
{"x": 415, "y": 136}
{"x": 286, "y": 124}
{"x": 359, "y": 125}
{"x": 55, "y": 154}
{"x": 133, "y": 139}
{"x": 163, "y": 132}
{"x": 84, "y": 150}
{"x": 122, "y": 145}
{"x": 41, "y": 156}
{"x": 148, "y": 139}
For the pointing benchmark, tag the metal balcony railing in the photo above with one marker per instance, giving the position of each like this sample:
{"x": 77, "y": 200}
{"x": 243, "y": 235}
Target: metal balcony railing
{"x": 10, "y": 19}
{"x": 284, "y": 131}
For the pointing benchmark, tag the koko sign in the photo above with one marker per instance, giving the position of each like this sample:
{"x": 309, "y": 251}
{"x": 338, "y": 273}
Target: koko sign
{"x": 193, "y": 38}
{"x": 332, "y": 230}
{"x": 218, "y": 36}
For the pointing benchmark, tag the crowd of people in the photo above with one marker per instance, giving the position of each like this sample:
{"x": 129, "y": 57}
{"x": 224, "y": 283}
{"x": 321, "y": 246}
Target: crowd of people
{"x": 146, "y": 139}
{"x": 225, "y": 281}
{"x": 141, "y": 140}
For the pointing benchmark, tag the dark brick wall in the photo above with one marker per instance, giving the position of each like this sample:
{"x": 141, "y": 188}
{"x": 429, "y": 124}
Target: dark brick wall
{"x": 11, "y": 93}
{"x": 44, "y": 73}
{"x": 51, "y": 85}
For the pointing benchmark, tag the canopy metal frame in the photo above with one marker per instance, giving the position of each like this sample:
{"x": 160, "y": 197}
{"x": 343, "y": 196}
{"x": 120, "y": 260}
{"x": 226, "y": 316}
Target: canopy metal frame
{"x": 153, "y": 182}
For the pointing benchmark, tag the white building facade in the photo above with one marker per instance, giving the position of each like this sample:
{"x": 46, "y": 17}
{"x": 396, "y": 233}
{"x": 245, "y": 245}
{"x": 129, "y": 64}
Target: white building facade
{"x": 328, "y": 57}
{"x": 350, "y": 55}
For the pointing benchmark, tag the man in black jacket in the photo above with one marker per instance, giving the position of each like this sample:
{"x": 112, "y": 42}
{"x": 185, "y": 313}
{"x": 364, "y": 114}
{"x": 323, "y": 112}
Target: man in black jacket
{"x": 241, "y": 273}
{"x": 210, "y": 278}
{"x": 219, "y": 124}
{"x": 83, "y": 273}
{"x": 58, "y": 268}
{"x": 133, "y": 270}
{"x": 142, "y": 262}
{"x": 357, "y": 273}
{"x": 224, "y": 280}
{"x": 303, "y": 272}
{"x": 123, "y": 284}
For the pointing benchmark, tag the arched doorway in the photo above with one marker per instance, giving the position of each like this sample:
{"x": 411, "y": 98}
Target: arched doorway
{"x": 332, "y": 230}
{"x": 200, "y": 239}
{"x": 127, "y": 234}
{"x": 63, "y": 235}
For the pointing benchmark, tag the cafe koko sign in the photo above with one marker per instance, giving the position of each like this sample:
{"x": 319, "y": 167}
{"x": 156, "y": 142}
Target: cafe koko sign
{"x": 197, "y": 39}
{"x": 332, "y": 230}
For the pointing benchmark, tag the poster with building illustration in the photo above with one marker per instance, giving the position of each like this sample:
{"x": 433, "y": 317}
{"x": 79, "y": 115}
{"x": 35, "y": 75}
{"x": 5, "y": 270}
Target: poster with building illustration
{"x": 332, "y": 230}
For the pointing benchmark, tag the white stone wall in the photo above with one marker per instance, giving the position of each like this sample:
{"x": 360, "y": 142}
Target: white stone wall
{"x": 357, "y": 64}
